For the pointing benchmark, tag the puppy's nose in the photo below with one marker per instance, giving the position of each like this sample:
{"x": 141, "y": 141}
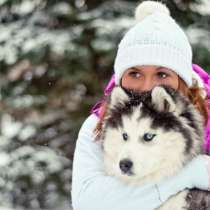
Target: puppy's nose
{"x": 126, "y": 165}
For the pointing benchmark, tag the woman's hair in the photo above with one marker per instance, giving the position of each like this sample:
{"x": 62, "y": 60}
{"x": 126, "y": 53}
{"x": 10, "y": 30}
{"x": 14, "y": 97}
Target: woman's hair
{"x": 194, "y": 94}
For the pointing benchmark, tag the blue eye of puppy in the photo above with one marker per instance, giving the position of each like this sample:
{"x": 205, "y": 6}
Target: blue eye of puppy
{"x": 148, "y": 136}
{"x": 125, "y": 136}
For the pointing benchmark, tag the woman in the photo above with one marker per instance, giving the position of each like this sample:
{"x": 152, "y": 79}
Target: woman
{"x": 155, "y": 51}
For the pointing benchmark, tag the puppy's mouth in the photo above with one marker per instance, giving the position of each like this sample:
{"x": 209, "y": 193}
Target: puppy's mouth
{"x": 128, "y": 173}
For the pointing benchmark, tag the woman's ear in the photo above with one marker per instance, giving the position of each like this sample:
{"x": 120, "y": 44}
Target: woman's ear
{"x": 162, "y": 100}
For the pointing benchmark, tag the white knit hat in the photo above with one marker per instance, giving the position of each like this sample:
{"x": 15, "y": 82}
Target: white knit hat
{"x": 155, "y": 40}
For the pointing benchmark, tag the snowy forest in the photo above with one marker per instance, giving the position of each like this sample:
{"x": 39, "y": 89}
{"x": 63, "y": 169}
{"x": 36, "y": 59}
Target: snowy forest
{"x": 56, "y": 56}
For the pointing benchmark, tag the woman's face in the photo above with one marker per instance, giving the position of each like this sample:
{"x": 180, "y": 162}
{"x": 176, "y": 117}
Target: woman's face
{"x": 144, "y": 78}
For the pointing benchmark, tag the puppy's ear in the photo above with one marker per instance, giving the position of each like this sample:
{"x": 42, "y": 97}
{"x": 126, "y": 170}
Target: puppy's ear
{"x": 118, "y": 95}
{"x": 162, "y": 100}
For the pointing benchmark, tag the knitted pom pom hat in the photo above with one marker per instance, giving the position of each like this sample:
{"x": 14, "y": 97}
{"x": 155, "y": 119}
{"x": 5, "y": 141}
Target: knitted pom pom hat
{"x": 156, "y": 39}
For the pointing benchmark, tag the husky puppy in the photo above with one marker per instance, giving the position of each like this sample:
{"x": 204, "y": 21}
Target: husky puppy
{"x": 150, "y": 136}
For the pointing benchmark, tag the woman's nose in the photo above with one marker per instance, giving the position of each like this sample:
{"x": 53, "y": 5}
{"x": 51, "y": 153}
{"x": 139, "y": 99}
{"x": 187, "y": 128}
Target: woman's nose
{"x": 147, "y": 85}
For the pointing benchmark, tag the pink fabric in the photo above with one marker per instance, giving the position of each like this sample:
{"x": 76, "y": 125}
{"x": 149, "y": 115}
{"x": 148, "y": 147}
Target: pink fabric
{"x": 206, "y": 80}
{"x": 97, "y": 107}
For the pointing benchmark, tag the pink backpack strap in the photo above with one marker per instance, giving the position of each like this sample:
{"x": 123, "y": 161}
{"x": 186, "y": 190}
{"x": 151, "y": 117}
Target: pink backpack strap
{"x": 206, "y": 81}
{"x": 108, "y": 89}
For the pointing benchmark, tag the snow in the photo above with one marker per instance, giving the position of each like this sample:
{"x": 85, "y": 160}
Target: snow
{"x": 203, "y": 8}
{"x": 199, "y": 36}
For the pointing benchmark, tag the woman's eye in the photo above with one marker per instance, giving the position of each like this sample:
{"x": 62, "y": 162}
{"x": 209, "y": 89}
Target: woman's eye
{"x": 125, "y": 136}
{"x": 134, "y": 74}
{"x": 162, "y": 75}
{"x": 148, "y": 136}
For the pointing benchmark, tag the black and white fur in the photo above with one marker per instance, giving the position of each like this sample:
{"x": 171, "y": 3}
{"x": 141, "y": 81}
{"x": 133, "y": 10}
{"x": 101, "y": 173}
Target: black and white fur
{"x": 150, "y": 136}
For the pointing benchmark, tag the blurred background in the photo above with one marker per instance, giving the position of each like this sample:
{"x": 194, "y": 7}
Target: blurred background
{"x": 56, "y": 57}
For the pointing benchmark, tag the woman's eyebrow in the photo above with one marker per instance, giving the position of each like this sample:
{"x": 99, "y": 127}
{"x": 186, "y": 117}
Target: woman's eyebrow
{"x": 158, "y": 68}
{"x": 135, "y": 68}
{"x": 162, "y": 68}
